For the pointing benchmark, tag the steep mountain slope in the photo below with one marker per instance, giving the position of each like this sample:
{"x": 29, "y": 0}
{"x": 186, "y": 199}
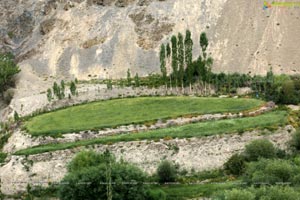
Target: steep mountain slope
{"x": 103, "y": 38}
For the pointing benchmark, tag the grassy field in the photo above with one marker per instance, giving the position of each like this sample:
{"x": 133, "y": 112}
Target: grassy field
{"x": 190, "y": 130}
{"x": 182, "y": 191}
{"x": 118, "y": 112}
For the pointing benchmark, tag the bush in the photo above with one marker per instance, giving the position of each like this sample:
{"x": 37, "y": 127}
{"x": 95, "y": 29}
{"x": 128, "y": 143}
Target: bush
{"x": 87, "y": 159}
{"x": 262, "y": 193}
{"x": 295, "y": 141}
{"x": 8, "y": 95}
{"x": 4, "y": 139}
{"x": 166, "y": 172}
{"x": 276, "y": 193}
{"x": 260, "y": 149}
{"x": 90, "y": 181}
{"x": 236, "y": 194}
{"x": 156, "y": 195}
{"x": 235, "y": 165}
{"x": 16, "y": 116}
{"x": 2, "y": 157}
{"x": 271, "y": 172}
{"x": 8, "y": 69}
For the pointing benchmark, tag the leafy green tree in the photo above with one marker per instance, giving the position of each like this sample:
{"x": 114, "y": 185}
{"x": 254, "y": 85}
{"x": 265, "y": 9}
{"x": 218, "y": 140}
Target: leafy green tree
{"x": 166, "y": 172}
{"x": 59, "y": 93}
{"x": 137, "y": 80}
{"x": 295, "y": 141}
{"x": 174, "y": 58}
{"x": 168, "y": 50}
{"x": 276, "y": 193}
{"x": 49, "y": 94}
{"x": 8, "y": 68}
{"x": 287, "y": 95}
{"x": 207, "y": 62}
{"x": 88, "y": 179}
{"x": 55, "y": 89}
{"x": 270, "y": 171}
{"x": 62, "y": 86}
{"x": 203, "y": 44}
{"x": 16, "y": 116}
{"x": 86, "y": 159}
{"x": 180, "y": 59}
{"x": 236, "y": 164}
{"x": 73, "y": 88}
{"x": 128, "y": 78}
{"x": 261, "y": 148}
{"x": 188, "y": 46}
{"x": 162, "y": 59}
{"x": 109, "y": 84}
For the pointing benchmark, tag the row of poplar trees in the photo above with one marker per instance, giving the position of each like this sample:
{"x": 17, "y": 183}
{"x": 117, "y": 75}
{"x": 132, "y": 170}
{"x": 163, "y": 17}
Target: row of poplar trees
{"x": 177, "y": 55}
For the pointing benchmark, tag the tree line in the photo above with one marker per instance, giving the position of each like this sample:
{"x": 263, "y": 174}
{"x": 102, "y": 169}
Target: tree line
{"x": 177, "y": 57}
{"x": 58, "y": 90}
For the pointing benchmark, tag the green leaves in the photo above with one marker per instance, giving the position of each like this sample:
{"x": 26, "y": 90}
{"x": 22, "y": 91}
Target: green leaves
{"x": 8, "y": 68}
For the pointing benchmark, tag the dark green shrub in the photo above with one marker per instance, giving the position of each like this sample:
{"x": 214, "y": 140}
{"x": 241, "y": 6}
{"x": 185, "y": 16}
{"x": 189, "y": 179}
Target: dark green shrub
{"x": 295, "y": 141}
{"x": 16, "y": 116}
{"x": 281, "y": 154}
{"x": 156, "y": 195}
{"x": 236, "y": 164}
{"x": 4, "y": 139}
{"x": 262, "y": 193}
{"x": 2, "y": 157}
{"x": 296, "y": 179}
{"x": 89, "y": 177}
{"x": 86, "y": 159}
{"x": 276, "y": 193}
{"x": 166, "y": 172}
{"x": 91, "y": 183}
{"x": 8, "y": 69}
{"x": 270, "y": 172}
{"x": 236, "y": 194}
{"x": 260, "y": 149}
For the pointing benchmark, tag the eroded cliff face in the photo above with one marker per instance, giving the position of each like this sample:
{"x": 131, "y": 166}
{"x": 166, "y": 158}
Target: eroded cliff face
{"x": 103, "y": 38}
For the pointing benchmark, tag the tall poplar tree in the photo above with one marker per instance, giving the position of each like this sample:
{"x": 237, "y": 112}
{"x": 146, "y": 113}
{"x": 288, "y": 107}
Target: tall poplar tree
{"x": 174, "y": 58}
{"x": 163, "y": 63}
{"x": 207, "y": 62}
{"x": 168, "y": 49}
{"x": 180, "y": 59}
{"x": 188, "y": 46}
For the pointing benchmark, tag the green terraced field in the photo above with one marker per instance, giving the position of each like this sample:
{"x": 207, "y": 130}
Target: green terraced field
{"x": 202, "y": 129}
{"x": 118, "y": 112}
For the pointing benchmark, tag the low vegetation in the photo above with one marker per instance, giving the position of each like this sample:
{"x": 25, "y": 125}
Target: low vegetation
{"x": 8, "y": 68}
{"x": 2, "y": 157}
{"x": 102, "y": 178}
{"x": 272, "y": 119}
{"x": 118, "y": 112}
{"x": 266, "y": 174}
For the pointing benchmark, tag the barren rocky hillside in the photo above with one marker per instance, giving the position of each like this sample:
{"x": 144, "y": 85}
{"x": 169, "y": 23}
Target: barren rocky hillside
{"x": 103, "y": 38}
